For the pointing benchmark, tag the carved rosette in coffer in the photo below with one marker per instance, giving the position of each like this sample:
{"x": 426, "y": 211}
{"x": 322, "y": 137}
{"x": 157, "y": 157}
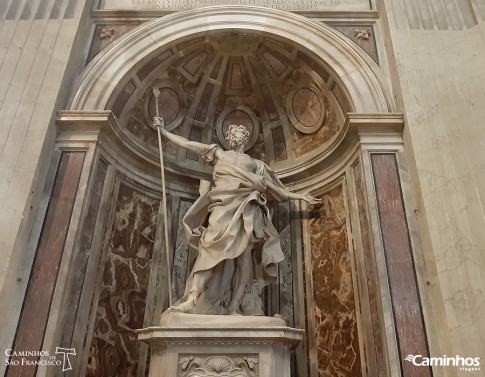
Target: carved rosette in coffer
{"x": 205, "y": 365}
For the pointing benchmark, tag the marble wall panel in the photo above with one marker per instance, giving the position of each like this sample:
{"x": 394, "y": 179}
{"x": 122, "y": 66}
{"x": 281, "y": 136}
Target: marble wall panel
{"x": 370, "y": 272}
{"x": 411, "y": 332}
{"x": 335, "y": 321}
{"x": 43, "y": 277}
{"x": 121, "y": 305}
{"x": 82, "y": 256}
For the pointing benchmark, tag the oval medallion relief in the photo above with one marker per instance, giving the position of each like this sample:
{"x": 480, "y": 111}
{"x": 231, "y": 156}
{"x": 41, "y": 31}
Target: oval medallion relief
{"x": 237, "y": 115}
{"x": 171, "y": 104}
{"x": 306, "y": 109}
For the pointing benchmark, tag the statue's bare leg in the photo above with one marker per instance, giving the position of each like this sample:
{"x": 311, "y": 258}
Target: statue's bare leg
{"x": 197, "y": 286}
{"x": 241, "y": 279}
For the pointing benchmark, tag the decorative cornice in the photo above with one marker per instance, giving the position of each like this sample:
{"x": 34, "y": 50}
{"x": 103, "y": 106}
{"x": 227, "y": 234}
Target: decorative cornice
{"x": 248, "y": 335}
{"x": 85, "y": 126}
{"x": 113, "y": 16}
{"x": 372, "y": 131}
{"x": 382, "y": 130}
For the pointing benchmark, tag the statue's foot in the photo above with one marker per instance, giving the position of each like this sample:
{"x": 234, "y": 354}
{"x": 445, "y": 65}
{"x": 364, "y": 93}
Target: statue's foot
{"x": 188, "y": 306}
{"x": 185, "y": 307}
{"x": 233, "y": 308}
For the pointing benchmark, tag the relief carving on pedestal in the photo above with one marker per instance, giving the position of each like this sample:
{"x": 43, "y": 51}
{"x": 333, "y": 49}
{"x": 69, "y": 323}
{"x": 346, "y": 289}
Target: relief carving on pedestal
{"x": 218, "y": 365}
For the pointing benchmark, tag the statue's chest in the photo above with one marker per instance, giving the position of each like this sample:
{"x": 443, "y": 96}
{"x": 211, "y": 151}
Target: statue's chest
{"x": 242, "y": 161}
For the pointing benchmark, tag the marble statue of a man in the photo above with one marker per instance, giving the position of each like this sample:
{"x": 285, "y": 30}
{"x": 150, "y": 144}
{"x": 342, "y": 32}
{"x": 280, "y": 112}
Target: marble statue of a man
{"x": 230, "y": 227}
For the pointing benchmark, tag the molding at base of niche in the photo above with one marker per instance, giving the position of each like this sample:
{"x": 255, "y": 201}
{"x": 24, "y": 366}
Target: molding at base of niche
{"x": 82, "y": 125}
{"x": 374, "y": 132}
{"x": 136, "y": 16}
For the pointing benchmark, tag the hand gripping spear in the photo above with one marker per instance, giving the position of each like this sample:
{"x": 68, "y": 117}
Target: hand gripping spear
{"x": 156, "y": 93}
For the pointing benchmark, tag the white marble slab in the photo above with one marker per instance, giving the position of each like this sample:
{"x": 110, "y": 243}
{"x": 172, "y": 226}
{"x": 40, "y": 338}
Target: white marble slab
{"x": 310, "y": 5}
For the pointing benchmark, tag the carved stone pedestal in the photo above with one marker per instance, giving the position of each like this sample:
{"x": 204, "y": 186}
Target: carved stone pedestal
{"x": 230, "y": 346}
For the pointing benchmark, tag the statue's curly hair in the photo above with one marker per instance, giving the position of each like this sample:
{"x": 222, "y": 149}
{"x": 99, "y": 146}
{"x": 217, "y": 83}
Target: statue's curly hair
{"x": 234, "y": 127}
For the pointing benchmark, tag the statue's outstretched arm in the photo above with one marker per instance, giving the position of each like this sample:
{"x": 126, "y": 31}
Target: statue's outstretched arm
{"x": 193, "y": 146}
{"x": 304, "y": 196}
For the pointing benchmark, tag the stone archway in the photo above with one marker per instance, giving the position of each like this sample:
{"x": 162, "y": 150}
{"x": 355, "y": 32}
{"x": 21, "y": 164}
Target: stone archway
{"x": 357, "y": 73}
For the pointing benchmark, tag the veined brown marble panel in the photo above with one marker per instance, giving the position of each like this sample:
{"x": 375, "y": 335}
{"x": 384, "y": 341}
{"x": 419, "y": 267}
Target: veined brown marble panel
{"x": 81, "y": 259}
{"x": 337, "y": 341}
{"x": 400, "y": 265}
{"x": 121, "y": 305}
{"x": 38, "y": 298}
{"x": 370, "y": 271}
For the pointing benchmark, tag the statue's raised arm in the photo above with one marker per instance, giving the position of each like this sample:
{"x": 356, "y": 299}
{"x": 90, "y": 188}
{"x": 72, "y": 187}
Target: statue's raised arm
{"x": 182, "y": 142}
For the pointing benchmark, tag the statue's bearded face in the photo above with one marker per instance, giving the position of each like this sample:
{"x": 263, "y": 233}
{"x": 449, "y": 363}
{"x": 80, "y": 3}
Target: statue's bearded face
{"x": 237, "y": 136}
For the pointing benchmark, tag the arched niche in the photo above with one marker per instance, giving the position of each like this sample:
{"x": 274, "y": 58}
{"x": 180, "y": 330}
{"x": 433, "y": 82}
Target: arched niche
{"x": 338, "y": 71}
{"x": 123, "y": 176}
{"x": 357, "y": 73}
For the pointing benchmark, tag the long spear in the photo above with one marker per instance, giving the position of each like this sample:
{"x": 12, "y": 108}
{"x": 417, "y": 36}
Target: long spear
{"x": 156, "y": 93}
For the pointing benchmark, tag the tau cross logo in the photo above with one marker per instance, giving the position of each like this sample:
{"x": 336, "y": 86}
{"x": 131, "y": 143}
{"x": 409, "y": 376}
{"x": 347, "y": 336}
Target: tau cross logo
{"x": 66, "y": 363}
